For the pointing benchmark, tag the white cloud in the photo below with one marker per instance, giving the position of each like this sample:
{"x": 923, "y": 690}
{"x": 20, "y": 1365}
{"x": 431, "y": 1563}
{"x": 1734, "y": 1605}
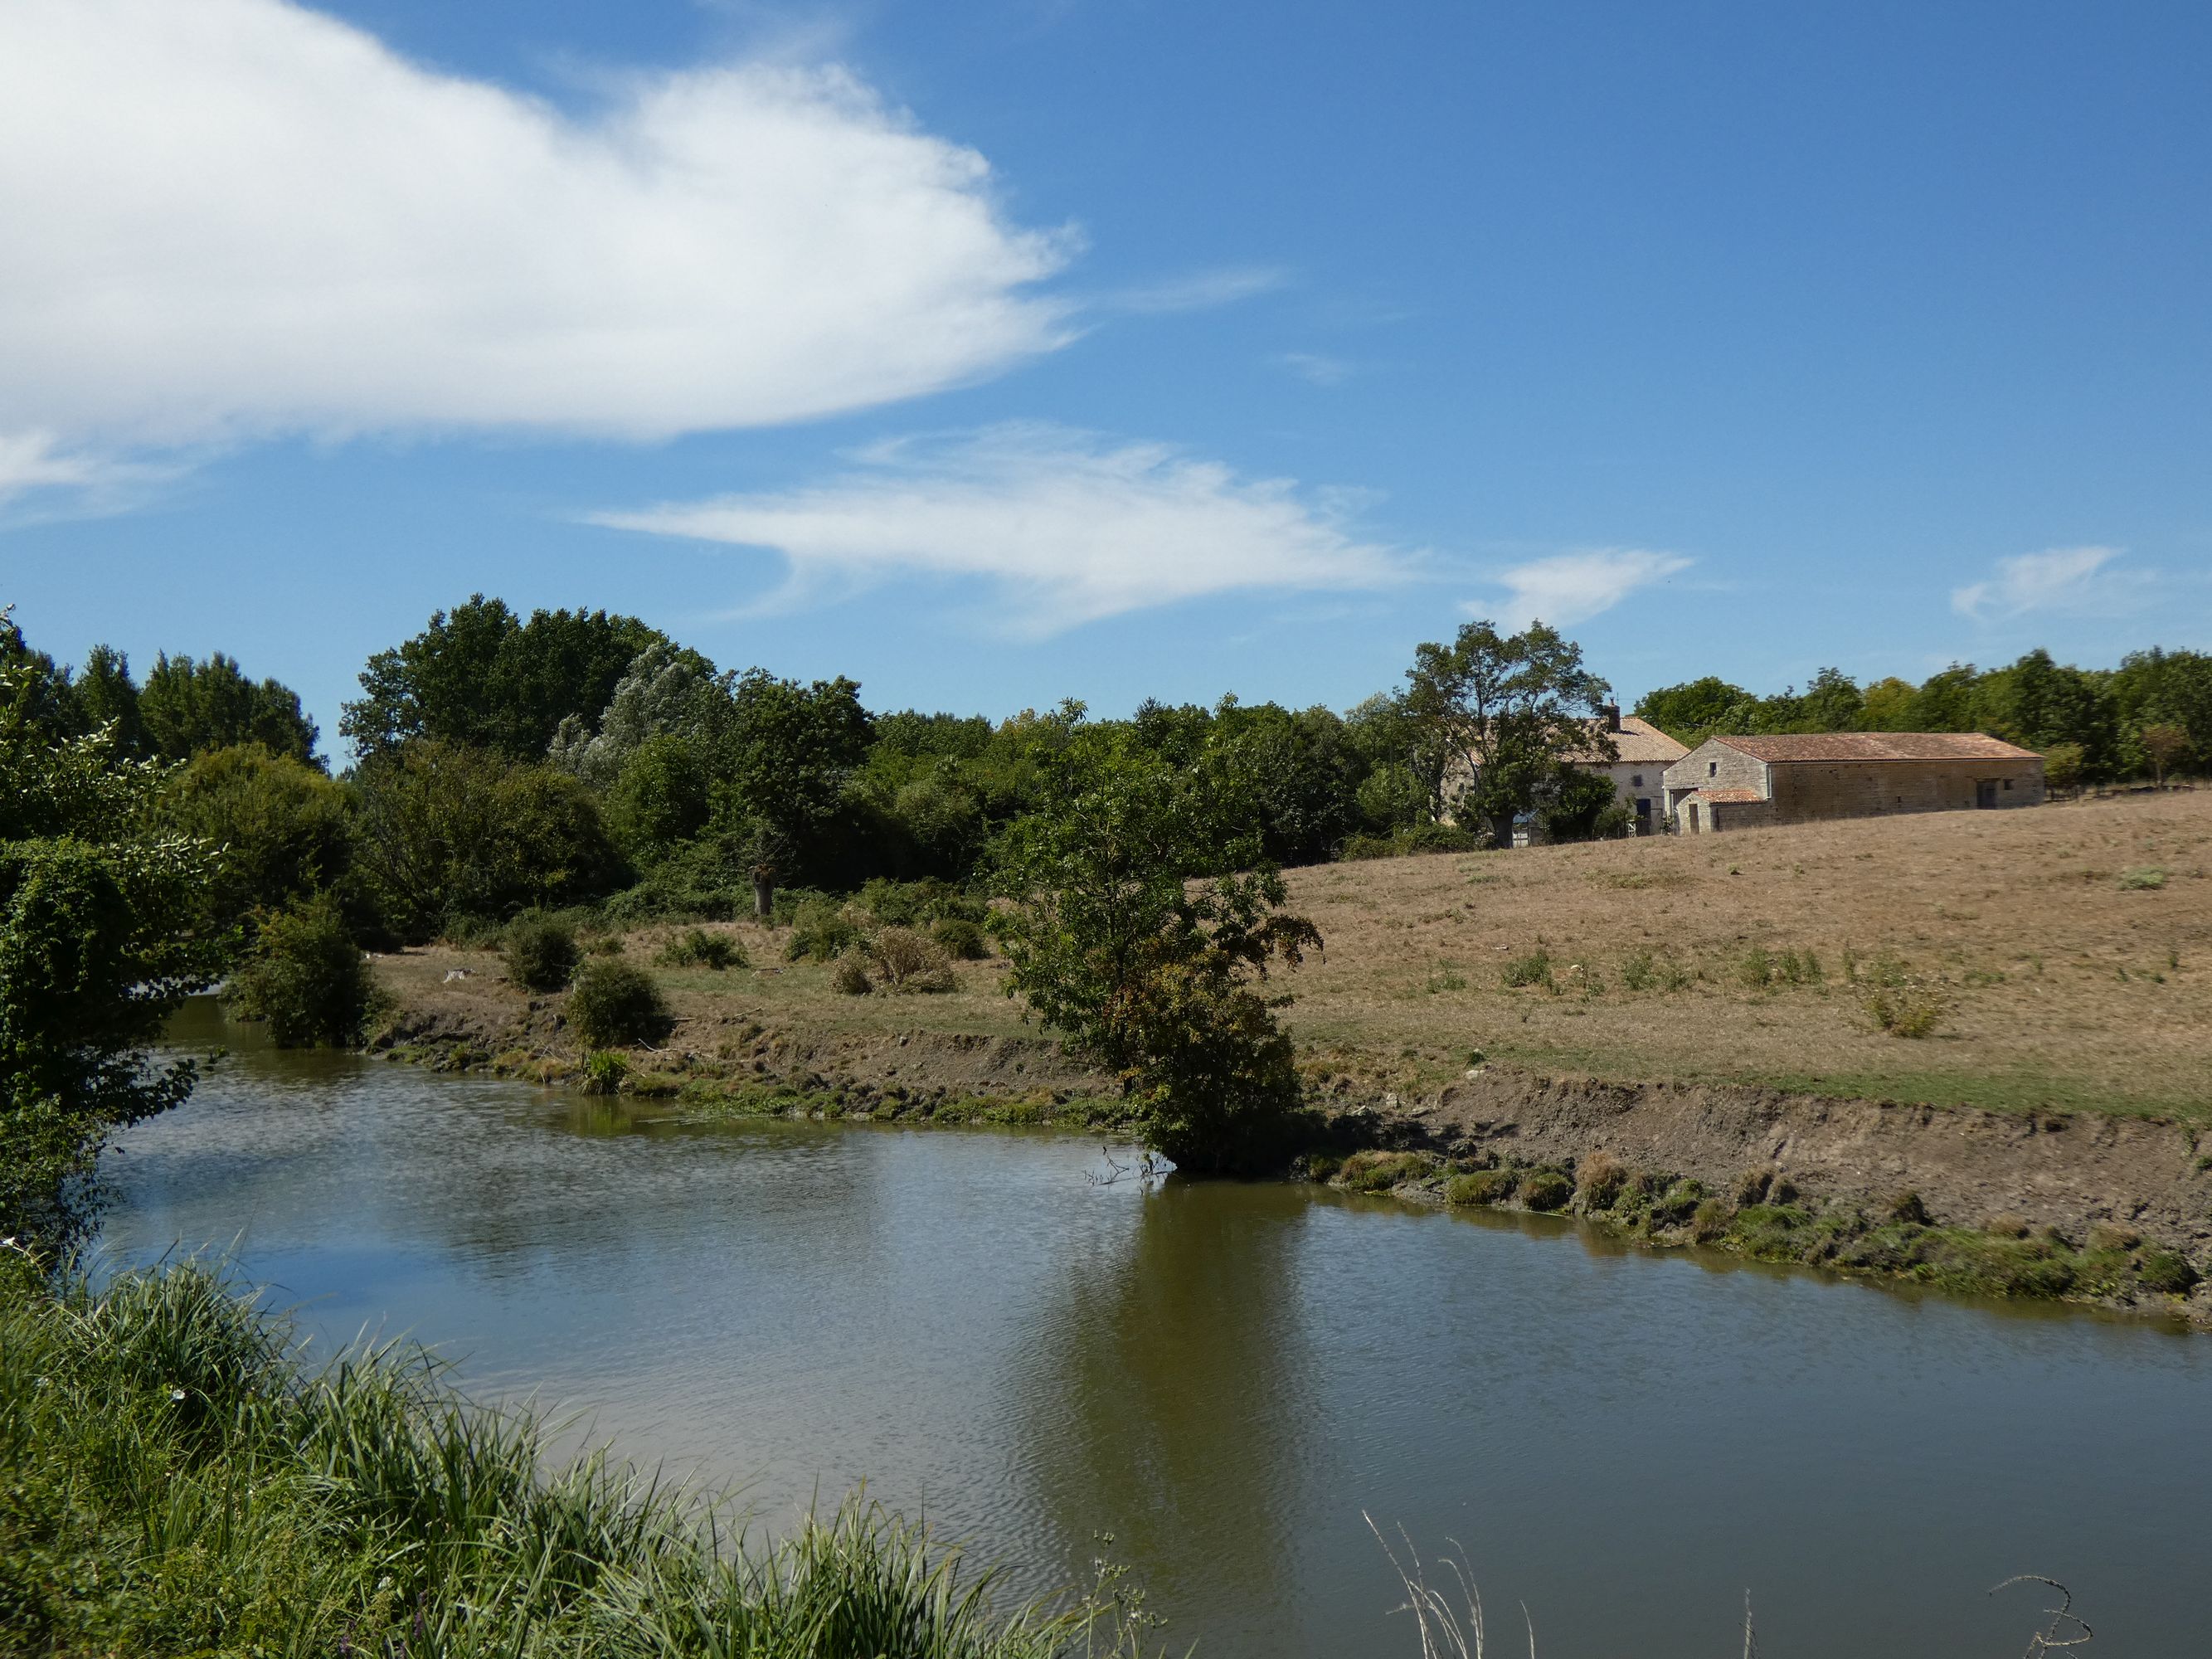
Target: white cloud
{"x": 2057, "y": 579}
{"x": 1572, "y": 587}
{"x": 240, "y": 217}
{"x": 1067, "y": 527}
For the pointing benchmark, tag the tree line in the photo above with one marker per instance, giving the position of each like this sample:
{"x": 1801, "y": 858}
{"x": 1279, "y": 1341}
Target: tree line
{"x": 2151, "y": 717}
{"x": 156, "y": 837}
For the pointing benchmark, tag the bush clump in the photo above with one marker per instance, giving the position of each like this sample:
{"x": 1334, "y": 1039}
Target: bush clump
{"x": 960, "y": 938}
{"x": 697, "y": 948}
{"x": 850, "y": 977}
{"x": 906, "y": 961}
{"x": 2166, "y": 1271}
{"x": 307, "y": 978}
{"x": 1546, "y": 1189}
{"x": 1533, "y": 969}
{"x": 821, "y": 931}
{"x": 1600, "y": 1181}
{"x": 1906, "y": 1010}
{"x": 541, "y": 953}
{"x": 1480, "y": 1186}
{"x": 615, "y": 1005}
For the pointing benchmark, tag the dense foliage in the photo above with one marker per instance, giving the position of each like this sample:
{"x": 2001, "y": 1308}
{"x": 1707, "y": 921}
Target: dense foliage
{"x": 2150, "y": 717}
{"x": 103, "y": 931}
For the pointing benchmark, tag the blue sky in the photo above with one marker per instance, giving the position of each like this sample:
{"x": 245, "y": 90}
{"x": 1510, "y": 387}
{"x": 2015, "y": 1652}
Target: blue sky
{"x": 1096, "y": 347}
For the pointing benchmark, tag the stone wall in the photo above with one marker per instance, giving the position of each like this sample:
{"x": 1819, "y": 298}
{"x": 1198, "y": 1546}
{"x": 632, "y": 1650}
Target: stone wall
{"x": 1803, "y": 791}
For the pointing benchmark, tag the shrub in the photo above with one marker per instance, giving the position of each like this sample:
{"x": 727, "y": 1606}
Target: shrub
{"x": 1680, "y": 1201}
{"x": 1709, "y": 1221}
{"x": 1534, "y": 968}
{"x": 960, "y": 938}
{"x": 821, "y": 931}
{"x": 1378, "y": 1172}
{"x": 2110, "y": 1236}
{"x": 603, "y": 1073}
{"x": 2166, "y": 1271}
{"x": 1802, "y": 968}
{"x": 1546, "y": 1189}
{"x": 1599, "y": 1180}
{"x": 698, "y": 948}
{"x": 1906, "y": 1010}
{"x": 541, "y": 954}
{"x": 1481, "y": 1187}
{"x": 850, "y": 977}
{"x": 1756, "y": 969}
{"x": 615, "y": 1005}
{"x": 908, "y": 961}
{"x": 2147, "y": 880}
{"x": 1639, "y": 971}
{"x": 307, "y": 978}
{"x": 1907, "y": 1206}
{"x": 1413, "y": 838}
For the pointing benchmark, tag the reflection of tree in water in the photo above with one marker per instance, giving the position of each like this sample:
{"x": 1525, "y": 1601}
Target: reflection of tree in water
{"x": 1175, "y": 1405}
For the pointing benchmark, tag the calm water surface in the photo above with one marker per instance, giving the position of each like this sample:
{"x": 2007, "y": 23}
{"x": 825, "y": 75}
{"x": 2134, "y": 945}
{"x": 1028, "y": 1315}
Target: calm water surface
{"x": 1222, "y": 1376}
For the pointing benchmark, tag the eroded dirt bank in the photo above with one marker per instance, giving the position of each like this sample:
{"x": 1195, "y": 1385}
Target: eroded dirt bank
{"x": 2046, "y": 1168}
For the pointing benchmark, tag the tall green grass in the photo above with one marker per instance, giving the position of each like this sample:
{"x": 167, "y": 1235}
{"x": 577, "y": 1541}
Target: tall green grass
{"x": 175, "y": 1480}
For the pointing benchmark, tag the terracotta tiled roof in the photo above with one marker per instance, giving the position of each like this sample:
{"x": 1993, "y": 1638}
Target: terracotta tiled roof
{"x": 1718, "y": 796}
{"x": 1879, "y": 746}
{"x": 1639, "y": 743}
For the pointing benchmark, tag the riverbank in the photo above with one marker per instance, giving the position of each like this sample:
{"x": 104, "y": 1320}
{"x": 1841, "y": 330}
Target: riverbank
{"x": 1696, "y": 1009}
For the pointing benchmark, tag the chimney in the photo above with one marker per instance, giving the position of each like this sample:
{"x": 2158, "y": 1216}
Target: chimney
{"x": 1610, "y": 714}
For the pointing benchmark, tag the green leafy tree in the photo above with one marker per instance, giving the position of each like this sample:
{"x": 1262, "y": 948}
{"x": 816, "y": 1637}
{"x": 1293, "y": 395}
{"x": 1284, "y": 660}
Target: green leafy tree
{"x": 480, "y": 674}
{"x": 284, "y": 831}
{"x": 661, "y": 798}
{"x": 108, "y": 695}
{"x": 187, "y": 707}
{"x": 444, "y": 832}
{"x": 306, "y": 977}
{"x": 1389, "y": 735}
{"x": 2062, "y": 768}
{"x": 1950, "y": 700}
{"x": 2165, "y": 746}
{"x": 1888, "y": 706}
{"x": 1517, "y": 710}
{"x": 101, "y": 936}
{"x": 789, "y": 752}
{"x": 1137, "y": 937}
{"x": 1697, "y": 709}
{"x": 666, "y": 692}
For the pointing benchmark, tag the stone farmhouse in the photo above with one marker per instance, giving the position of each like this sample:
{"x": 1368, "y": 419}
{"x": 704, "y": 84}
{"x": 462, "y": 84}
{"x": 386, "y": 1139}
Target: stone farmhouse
{"x": 1642, "y": 754}
{"x": 1742, "y": 783}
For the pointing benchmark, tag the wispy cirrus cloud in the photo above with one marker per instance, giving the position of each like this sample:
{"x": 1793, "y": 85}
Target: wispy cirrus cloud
{"x": 1062, "y": 527}
{"x": 1199, "y": 291}
{"x": 2057, "y": 579}
{"x": 243, "y": 218}
{"x": 1563, "y": 588}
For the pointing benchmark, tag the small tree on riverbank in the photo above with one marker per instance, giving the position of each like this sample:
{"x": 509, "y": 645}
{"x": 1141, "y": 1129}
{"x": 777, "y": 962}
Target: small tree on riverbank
{"x": 1143, "y": 930}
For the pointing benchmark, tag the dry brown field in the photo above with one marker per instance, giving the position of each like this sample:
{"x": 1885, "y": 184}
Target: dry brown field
{"x": 2066, "y": 950}
{"x": 2065, "y": 954}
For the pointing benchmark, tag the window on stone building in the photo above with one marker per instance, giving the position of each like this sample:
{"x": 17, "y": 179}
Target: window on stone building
{"x": 1712, "y": 768}
{"x": 1636, "y": 781}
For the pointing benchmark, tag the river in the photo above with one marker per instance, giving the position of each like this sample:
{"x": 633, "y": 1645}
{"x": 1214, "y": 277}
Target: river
{"x": 1223, "y": 1376}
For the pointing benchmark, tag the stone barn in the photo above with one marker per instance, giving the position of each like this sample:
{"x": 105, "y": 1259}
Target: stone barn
{"x": 1742, "y": 783}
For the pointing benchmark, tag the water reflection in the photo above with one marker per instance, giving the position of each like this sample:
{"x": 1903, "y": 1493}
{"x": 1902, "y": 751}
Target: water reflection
{"x": 1179, "y": 1398}
{"x": 1223, "y": 1376}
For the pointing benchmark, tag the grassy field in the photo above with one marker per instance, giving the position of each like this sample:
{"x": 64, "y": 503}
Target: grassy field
{"x": 2057, "y": 957}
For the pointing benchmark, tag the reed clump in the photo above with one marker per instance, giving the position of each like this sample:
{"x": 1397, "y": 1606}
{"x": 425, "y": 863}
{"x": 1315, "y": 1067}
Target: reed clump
{"x": 174, "y": 1479}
